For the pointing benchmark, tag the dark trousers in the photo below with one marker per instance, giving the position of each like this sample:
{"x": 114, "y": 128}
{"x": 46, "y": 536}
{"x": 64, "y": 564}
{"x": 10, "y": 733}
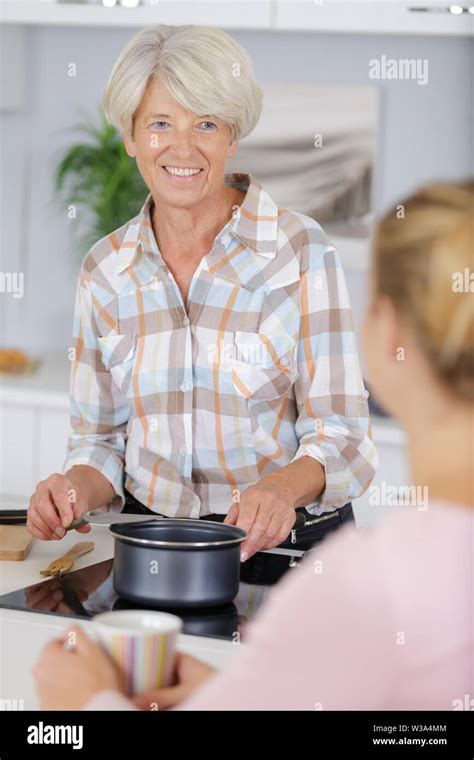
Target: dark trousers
{"x": 268, "y": 568}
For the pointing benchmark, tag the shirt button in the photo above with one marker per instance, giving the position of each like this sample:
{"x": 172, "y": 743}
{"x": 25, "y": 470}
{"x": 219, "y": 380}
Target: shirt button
{"x": 186, "y": 322}
{"x": 284, "y": 361}
{"x": 184, "y": 387}
{"x": 183, "y": 450}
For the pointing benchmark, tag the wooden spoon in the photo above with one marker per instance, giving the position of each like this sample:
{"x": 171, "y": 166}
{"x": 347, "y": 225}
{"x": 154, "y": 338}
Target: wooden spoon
{"x": 64, "y": 563}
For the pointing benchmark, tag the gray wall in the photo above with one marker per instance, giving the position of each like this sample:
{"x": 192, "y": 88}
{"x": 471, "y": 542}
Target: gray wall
{"x": 424, "y": 135}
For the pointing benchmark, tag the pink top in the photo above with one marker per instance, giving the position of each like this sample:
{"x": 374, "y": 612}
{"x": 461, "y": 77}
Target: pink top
{"x": 384, "y": 621}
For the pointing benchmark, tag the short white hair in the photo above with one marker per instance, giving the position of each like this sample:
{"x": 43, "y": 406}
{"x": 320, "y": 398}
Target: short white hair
{"x": 205, "y": 70}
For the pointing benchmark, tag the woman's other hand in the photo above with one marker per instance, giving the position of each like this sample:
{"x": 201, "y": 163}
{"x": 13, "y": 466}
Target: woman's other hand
{"x": 190, "y": 675}
{"x": 67, "y": 678}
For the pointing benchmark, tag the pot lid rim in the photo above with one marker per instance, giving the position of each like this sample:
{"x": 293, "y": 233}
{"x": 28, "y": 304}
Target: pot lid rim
{"x": 175, "y": 544}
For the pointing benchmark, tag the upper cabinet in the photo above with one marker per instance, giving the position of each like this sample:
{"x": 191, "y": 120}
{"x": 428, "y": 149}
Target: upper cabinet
{"x": 422, "y": 17}
{"x": 377, "y": 17}
{"x": 235, "y": 14}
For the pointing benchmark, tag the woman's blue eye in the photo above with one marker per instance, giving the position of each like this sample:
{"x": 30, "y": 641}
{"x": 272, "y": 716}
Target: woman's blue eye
{"x": 209, "y": 125}
{"x": 160, "y": 124}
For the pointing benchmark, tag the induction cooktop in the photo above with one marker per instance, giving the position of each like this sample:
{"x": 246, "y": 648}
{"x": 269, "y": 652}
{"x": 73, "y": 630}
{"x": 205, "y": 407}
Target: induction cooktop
{"x": 86, "y": 592}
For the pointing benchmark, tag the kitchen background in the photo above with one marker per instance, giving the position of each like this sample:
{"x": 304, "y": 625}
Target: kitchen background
{"x": 422, "y": 133}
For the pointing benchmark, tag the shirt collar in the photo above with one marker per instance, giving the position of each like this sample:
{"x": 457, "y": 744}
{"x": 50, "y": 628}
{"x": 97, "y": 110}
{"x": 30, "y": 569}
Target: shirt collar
{"x": 255, "y": 224}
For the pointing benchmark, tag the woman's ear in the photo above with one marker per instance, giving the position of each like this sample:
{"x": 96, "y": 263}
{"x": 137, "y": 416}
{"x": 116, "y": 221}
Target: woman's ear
{"x": 130, "y": 146}
{"x": 233, "y": 147}
{"x": 384, "y": 340}
{"x": 391, "y": 329}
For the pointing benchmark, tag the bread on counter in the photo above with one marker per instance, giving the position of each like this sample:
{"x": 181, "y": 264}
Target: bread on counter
{"x": 13, "y": 360}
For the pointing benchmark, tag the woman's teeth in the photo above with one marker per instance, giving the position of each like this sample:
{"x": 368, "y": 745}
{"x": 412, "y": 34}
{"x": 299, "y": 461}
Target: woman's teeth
{"x": 181, "y": 172}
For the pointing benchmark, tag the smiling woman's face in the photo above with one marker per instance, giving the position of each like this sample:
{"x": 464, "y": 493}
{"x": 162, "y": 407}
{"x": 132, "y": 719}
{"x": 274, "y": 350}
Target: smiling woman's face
{"x": 168, "y": 139}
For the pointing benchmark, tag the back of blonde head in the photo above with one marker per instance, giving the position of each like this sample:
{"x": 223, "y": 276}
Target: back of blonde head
{"x": 423, "y": 257}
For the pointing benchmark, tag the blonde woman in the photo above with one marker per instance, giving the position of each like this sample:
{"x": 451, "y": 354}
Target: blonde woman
{"x": 200, "y": 323}
{"x": 384, "y": 620}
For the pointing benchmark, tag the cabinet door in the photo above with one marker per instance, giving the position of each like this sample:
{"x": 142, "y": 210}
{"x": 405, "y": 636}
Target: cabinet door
{"x": 369, "y": 17}
{"x": 17, "y": 443}
{"x": 53, "y": 430}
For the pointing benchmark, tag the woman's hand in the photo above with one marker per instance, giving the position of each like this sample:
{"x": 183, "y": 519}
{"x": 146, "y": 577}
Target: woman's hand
{"x": 56, "y": 502}
{"x": 267, "y": 512}
{"x": 190, "y": 674}
{"x": 67, "y": 678}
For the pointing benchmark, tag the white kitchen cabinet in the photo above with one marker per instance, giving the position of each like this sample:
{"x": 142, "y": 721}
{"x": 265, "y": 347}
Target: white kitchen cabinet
{"x": 339, "y": 16}
{"x": 33, "y": 446}
{"x": 17, "y": 451}
{"x": 34, "y": 424}
{"x": 237, "y": 14}
{"x": 373, "y": 17}
{"x": 53, "y": 427}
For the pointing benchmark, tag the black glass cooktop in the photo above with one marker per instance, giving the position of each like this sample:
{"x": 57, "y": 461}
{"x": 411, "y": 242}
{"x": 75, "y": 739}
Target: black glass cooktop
{"x": 86, "y": 592}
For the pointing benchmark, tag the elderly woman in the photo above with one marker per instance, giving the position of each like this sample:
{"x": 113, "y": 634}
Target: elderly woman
{"x": 216, "y": 369}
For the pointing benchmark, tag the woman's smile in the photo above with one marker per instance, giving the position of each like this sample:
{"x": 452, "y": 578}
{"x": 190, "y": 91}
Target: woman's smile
{"x": 182, "y": 174}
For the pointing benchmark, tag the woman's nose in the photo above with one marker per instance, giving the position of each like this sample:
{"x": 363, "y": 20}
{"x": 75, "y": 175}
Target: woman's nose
{"x": 183, "y": 143}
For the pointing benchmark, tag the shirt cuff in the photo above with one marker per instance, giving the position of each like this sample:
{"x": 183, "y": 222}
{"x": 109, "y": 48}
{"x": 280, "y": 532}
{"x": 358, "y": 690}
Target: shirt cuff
{"x": 105, "y": 462}
{"x": 108, "y": 699}
{"x": 336, "y": 490}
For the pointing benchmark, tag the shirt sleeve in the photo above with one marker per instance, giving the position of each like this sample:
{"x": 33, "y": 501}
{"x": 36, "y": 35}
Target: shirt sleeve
{"x": 99, "y": 411}
{"x": 333, "y": 417}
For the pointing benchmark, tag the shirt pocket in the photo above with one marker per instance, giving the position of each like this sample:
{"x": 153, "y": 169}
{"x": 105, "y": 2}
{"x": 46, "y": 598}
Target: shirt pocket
{"x": 118, "y": 357}
{"x": 264, "y": 367}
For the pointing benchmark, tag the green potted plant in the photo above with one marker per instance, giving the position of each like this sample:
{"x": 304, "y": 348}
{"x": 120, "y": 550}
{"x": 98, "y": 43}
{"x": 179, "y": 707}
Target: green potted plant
{"x": 98, "y": 182}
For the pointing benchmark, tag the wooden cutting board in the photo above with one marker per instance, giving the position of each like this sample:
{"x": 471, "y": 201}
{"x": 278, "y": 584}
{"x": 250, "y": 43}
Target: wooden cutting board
{"x": 15, "y": 542}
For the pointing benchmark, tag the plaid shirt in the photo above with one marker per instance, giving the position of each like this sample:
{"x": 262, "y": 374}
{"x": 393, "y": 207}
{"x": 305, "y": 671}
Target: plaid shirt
{"x": 186, "y": 407}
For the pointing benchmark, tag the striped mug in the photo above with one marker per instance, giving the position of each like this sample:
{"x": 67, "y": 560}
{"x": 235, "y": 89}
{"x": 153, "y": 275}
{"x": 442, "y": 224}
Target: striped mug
{"x": 142, "y": 645}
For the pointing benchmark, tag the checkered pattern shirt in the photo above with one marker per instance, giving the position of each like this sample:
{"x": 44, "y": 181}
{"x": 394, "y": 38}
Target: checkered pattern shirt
{"x": 186, "y": 405}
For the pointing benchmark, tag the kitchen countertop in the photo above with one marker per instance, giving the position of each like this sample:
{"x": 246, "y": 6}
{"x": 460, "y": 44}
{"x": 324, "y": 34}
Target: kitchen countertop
{"x": 16, "y": 575}
{"x": 23, "y": 634}
{"x": 47, "y": 385}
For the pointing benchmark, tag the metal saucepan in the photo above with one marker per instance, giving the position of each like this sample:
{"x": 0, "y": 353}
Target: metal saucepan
{"x": 177, "y": 562}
